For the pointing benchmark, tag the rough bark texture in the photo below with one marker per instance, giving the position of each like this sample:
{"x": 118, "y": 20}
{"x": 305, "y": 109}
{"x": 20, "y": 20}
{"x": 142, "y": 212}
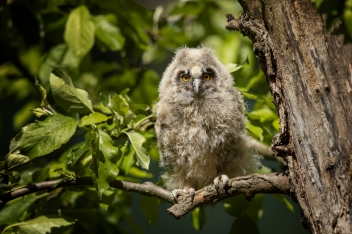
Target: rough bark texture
{"x": 309, "y": 73}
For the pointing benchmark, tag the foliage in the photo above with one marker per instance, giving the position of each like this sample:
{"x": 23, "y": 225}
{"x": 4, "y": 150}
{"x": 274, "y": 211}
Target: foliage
{"x": 89, "y": 71}
{"x": 339, "y": 16}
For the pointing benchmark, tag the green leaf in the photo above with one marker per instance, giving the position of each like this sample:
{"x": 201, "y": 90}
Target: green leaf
{"x": 232, "y": 67}
{"x": 107, "y": 31}
{"x": 244, "y": 225}
{"x": 16, "y": 142}
{"x": 137, "y": 141}
{"x": 285, "y": 202}
{"x": 76, "y": 154}
{"x": 42, "y": 92}
{"x": 255, "y": 208}
{"x": 247, "y": 94}
{"x": 119, "y": 104}
{"x": 347, "y": 17}
{"x": 262, "y": 115}
{"x": 68, "y": 97}
{"x": 128, "y": 159}
{"x": 108, "y": 197}
{"x": 150, "y": 208}
{"x": 93, "y": 118}
{"x": 276, "y": 124}
{"x": 236, "y": 206}
{"x": 136, "y": 172}
{"x": 198, "y": 218}
{"x": 44, "y": 137}
{"x": 255, "y": 131}
{"x": 14, "y": 210}
{"x": 39, "y": 225}
{"x": 59, "y": 55}
{"x": 79, "y": 31}
{"x": 39, "y": 112}
{"x": 15, "y": 161}
{"x": 106, "y": 159}
{"x": 265, "y": 170}
{"x": 61, "y": 171}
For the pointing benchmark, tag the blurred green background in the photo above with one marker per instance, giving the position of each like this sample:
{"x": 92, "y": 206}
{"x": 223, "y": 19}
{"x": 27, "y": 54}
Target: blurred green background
{"x": 111, "y": 45}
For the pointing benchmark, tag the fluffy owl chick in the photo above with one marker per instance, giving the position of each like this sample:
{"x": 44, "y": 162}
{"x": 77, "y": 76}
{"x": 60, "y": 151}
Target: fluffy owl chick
{"x": 200, "y": 123}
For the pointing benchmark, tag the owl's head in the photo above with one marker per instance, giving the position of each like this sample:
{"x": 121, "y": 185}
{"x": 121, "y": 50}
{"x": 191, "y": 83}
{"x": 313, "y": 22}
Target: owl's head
{"x": 195, "y": 74}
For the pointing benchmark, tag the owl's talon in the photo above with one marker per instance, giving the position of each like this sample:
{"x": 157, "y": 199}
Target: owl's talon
{"x": 192, "y": 192}
{"x": 225, "y": 182}
{"x": 175, "y": 194}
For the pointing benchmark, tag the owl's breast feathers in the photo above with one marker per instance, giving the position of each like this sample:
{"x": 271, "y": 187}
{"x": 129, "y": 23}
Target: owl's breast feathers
{"x": 198, "y": 137}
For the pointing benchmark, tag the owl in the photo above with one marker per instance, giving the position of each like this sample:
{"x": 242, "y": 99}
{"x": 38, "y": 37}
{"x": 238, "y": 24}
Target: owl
{"x": 200, "y": 123}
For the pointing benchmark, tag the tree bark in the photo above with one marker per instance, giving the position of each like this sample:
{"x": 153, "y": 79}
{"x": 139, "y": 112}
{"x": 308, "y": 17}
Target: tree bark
{"x": 309, "y": 72}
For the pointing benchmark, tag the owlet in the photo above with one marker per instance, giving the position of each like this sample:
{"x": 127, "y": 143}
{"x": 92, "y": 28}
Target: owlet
{"x": 200, "y": 123}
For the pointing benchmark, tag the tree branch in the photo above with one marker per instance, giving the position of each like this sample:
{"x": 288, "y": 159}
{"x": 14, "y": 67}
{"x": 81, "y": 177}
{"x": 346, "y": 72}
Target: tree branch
{"x": 246, "y": 185}
{"x": 147, "y": 188}
{"x": 264, "y": 50}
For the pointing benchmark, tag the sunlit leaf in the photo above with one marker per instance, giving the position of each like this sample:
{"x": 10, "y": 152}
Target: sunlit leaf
{"x": 262, "y": 115}
{"x": 39, "y": 225}
{"x": 255, "y": 131}
{"x": 198, "y": 218}
{"x": 134, "y": 171}
{"x": 248, "y": 95}
{"x": 39, "y": 112}
{"x": 68, "y": 97}
{"x": 137, "y": 141}
{"x": 43, "y": 137}
{"x": 150, "y": 208}
{"x": 93, "y": 118}
{"x": 276, "y": 124}
{"x": 79, "y": 31}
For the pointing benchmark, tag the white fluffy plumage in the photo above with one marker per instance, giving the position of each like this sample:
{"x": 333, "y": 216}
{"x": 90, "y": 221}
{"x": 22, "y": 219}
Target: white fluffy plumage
{"x": 200, "y": 123}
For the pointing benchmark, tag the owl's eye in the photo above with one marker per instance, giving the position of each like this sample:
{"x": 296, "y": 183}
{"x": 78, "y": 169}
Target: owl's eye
{"x": 206, "y": 76}
{"x": 185, "y": 77}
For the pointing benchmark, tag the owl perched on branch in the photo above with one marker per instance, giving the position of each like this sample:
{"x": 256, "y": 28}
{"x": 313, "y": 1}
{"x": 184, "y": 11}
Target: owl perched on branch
{"x": 200, "y": 123}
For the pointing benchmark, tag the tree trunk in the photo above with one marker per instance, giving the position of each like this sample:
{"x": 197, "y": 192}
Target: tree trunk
{"x": 309, "y": 72}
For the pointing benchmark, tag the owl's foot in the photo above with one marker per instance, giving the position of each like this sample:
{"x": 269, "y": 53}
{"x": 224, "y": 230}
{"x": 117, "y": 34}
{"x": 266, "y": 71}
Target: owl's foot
{"x": 177, "y": 192}
{"x": 224, "y": 179}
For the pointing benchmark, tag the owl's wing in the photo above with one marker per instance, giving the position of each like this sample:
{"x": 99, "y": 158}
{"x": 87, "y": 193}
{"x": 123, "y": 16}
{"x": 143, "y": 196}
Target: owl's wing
{"x": 161, "y": 130}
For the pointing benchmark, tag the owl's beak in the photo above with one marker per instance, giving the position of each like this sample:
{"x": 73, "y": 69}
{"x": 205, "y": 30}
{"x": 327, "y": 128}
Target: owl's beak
{"x": 196, "y": 85}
